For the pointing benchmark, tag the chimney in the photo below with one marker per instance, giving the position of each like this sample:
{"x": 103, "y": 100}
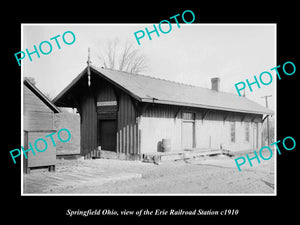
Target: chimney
{"x": 215, "y": 83}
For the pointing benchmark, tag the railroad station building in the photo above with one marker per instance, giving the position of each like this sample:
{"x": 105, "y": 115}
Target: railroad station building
{"x": 131, "y": 115}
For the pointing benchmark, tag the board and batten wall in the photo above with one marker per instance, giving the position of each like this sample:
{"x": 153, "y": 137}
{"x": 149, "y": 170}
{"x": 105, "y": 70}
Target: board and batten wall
{"x": 166, "y": 122}
{"x": 127, "y": 139}
{"x": 214, "y": 132}
{"x": 88, "y": 123}
{"x": 128, "y": 130}
{"x": 142, "y": 126}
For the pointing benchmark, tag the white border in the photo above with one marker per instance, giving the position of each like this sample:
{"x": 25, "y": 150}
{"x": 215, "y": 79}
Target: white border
{"x": 158, "y": 194}
{"x": 22, "y": 119}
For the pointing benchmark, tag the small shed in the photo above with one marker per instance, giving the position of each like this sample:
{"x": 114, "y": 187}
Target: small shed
{"x": 38, "y": 121}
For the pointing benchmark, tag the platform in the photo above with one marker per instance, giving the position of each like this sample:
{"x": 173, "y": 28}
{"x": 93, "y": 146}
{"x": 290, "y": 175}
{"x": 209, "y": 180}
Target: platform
{"x": 181, "y": 155}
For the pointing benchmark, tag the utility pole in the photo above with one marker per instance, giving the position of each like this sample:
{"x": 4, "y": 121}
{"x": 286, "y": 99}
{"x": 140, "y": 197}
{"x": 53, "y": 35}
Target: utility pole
{"x": 268, "y": 134}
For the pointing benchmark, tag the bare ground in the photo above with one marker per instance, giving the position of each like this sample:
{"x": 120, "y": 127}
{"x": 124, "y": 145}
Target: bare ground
{"x": 207, "y": 175}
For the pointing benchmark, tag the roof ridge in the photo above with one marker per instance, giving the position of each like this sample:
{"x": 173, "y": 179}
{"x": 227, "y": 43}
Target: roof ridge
{"x": 158, "y": 78}
{"x": 190, "y": 95}
{"x": 176, "y": 82}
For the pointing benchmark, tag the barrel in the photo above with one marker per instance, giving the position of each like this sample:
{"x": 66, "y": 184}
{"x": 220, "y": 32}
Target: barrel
{"x": 166, "y": 145}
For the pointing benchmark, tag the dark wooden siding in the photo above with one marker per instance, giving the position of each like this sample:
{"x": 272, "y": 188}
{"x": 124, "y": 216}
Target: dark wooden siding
{"x": 104, "y": 91}
{"x": 127, "y": 136}
{"x": 218, "y": 115}
{"x": 161, "y": 111}
{"x": 106, "y": 130}
{"x": 168, "y": 111}
{"x": 88, "y": 128}
{"x": 128, "y": 132}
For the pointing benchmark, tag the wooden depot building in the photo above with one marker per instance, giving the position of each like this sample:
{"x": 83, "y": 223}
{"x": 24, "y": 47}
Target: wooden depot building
{"x": 131, "y": 115}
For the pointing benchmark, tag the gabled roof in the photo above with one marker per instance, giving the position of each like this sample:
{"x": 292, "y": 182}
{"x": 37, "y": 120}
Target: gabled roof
{"x": 41, "y": 96}
{"x": 150, "y": 89}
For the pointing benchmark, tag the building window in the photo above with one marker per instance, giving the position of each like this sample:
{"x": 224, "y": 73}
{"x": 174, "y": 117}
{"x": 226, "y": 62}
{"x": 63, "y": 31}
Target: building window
{"x": 232, "y": 132}
{"x": 188, "y": 116}
{"x": 247, "y": 131}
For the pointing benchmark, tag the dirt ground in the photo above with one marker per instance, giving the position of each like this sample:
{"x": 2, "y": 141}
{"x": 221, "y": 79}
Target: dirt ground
{"x": 207, "y": 175}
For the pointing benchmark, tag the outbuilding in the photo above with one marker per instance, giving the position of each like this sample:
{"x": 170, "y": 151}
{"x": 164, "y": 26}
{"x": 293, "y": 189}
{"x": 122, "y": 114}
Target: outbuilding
{"x": 130, "y": 115}
{"x": 38, "y": 121}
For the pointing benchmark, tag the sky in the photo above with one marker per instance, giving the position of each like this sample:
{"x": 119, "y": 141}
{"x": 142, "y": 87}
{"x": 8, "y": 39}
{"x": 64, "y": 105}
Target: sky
{"x": 191, "y": 54}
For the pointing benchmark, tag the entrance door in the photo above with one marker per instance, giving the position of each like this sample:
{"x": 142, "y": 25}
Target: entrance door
{"x": 107, "y": 134}
{"x": 187, "y": 134}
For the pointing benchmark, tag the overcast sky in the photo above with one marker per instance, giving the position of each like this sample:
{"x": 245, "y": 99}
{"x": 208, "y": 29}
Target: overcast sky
{"x": 191, "y": 54}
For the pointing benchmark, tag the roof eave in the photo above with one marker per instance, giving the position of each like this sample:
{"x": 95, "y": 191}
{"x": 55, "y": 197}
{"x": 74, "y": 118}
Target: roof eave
{"x": 116, "y": 84}
{"x": 68, "y": 87}
{"x": 41, "y": 96}
{"x": 153, "y": 100}
{"x": 62, "y": 94}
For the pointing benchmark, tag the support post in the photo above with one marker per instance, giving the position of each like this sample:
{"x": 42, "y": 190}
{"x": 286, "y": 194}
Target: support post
{"x": 267, "y": 117}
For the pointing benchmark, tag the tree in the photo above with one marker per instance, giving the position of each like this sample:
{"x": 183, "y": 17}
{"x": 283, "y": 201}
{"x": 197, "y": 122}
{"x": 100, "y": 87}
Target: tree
{"x": 123, "y": 57}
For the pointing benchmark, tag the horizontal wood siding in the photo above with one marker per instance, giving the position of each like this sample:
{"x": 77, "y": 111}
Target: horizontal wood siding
{"x": 38, "y": 121}
{"x": 37, "y": 115}
{"x": 127, "y": 134}
{"x": 45, "y": 158}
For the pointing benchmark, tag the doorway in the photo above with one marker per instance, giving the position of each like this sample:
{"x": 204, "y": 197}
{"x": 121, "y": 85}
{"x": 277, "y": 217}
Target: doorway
{"x": 188, "y": 130}
{"x": 107, "y": 134}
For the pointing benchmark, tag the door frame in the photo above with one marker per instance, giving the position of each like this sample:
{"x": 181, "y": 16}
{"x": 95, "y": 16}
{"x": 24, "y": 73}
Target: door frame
{"x": 99, "y": 119}
{"x": 193, "y": 121}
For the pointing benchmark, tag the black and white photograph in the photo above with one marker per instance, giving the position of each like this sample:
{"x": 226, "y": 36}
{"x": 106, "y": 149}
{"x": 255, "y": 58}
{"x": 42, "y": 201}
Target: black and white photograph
{"x": 131, "y": 114}
{"x": 160, "y": 117}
